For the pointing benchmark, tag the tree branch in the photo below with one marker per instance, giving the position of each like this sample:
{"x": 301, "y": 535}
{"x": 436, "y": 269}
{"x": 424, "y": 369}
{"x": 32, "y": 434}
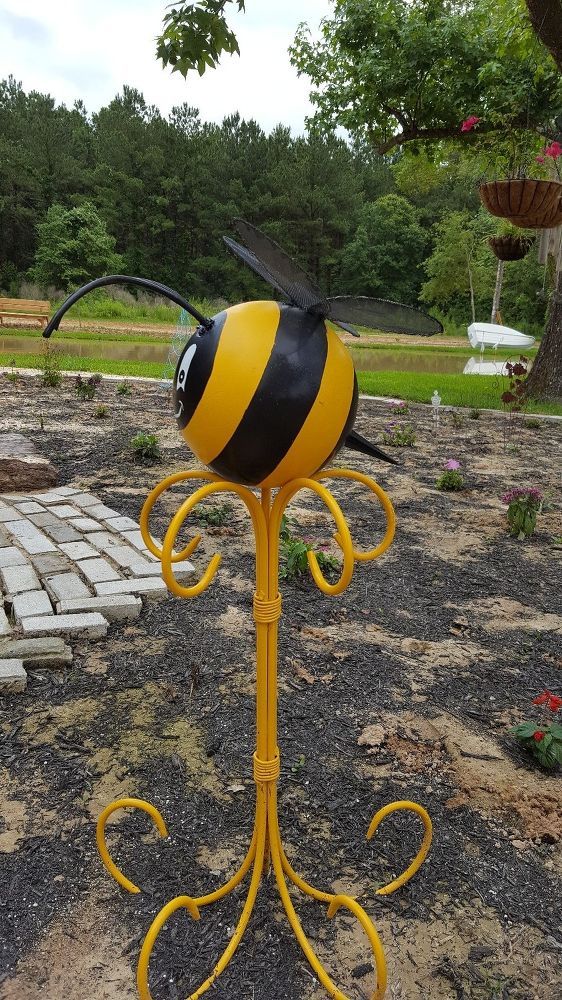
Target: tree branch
{"x": 546, "y": 19}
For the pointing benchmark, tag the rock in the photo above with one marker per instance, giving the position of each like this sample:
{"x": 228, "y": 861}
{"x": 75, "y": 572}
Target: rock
{"x": 46, "y": 652}
{"x": 13, "y": 678}
{"x": 88, "y": 626}
{"x": 10, "y": 556}
{"x": 97, "y": 570}
{"x": 66, "y": 587}
{"x": 32, "y": 603}
{"x": 5, "y": 627}
{"x": 142, "y": 586}
{"x": 372, "y": 737}
{"x": 17, "y": 579}
{"x": 21, "y": 467}
{"x": 114, "y": 607}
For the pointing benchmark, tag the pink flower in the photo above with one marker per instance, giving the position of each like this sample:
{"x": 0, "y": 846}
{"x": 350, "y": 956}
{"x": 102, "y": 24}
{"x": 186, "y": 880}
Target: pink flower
{"x": 539, "y": 159}
{"x": 554, "y": 150}
{"x": 451, "y": 464}
{"x": 470, "y": 122}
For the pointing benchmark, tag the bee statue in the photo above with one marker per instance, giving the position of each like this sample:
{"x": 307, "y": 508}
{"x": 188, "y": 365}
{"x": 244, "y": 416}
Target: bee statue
{"x": 266, "y": 392}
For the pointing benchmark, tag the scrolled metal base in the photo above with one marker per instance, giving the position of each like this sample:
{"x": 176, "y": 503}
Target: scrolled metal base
{"x": 266, "y": 850}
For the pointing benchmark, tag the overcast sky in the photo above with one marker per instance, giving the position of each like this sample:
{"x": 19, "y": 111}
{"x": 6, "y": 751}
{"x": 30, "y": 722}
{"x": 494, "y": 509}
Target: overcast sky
{"x": 89, "y": 48}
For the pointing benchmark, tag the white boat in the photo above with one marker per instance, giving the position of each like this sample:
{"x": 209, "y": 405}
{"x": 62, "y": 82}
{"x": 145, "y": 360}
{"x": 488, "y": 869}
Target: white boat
{"x": 475, "y": 366}
{"x": 493, "y": 335}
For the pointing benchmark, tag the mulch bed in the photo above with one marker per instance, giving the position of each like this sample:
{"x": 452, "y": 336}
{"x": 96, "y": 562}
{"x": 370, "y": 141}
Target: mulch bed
{"x": 188, "y": 663}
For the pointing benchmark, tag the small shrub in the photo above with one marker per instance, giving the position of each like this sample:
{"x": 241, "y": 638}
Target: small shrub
{"x": 474, "y": 414}
{"x": 400, "y": 409}
{"x": 533, "y": 424}
{"x": 523, "y": 505}
{"x": 146, "y": 448}
{"x": 458, "y": 419}
{"x": 543, "y": 740}
{"x": 293, "y": 556}
{"x": 123, "y": 389}
{"x": 101, "y": 412}
{"x": 451, "y": 478}
{"x": 13, "y": 375}
{"x": 399, "y": 435}
{"x": 50, "y": 366}
{"x": 216, "y": 517}
{"x": 86, "y": 388}
{"x": 514, "y": 396}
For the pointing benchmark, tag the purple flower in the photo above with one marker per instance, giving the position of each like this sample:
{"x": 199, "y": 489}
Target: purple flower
{"x": 451, "y": 464}
{"x": 532, "y": 494}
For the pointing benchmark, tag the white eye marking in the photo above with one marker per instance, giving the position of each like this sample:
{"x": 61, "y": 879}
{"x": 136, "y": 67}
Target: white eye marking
{"x": 185, "y": 366}
{"x": 180, "y": 411}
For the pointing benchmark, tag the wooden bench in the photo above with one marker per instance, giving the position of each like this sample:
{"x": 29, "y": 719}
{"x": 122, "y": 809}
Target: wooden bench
{"x": 25, "y": 309}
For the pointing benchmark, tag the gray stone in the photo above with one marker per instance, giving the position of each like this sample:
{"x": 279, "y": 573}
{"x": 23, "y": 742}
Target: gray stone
{"x": 135, "y": 538}
{"x": 43, "y": 520}
{"x": 53, "y": 496}
{"x": 142, "y": 567}
{"x": 143, "y": 586}
{"x": 36, "y": 544}
{"x": 65, "y": 510}
{"x": 10, "y": 556}
{"x": 21, "y": 528}
{"x": 34, "y": 602}
{"x": 7, "y": 513}
{"x": 50, "y": 562}
{"x": 85, "y": 500}
{"x": 78, "y": 550}
{"x": 124, "y": 555}
{"x": 17, "y": 579}
{"x": 84, "y": 524}
{"x": 104, "y": 541}
{"x": 5, "y": 627}
{"x": 62, "y": 532}
{"x": 13, "y": 678}
{"x": 29, "y": 507}
{"x": 100, "y": 510}
{"x": 67, "y": 491}
{"x": 66, "y": 586}
{"x": 114, "y": 607}
{"x": 88, "y": 626}
{"x": 97, "y": 570}
{"x": 121, "y": 523}
{"x": 50, "y": 651}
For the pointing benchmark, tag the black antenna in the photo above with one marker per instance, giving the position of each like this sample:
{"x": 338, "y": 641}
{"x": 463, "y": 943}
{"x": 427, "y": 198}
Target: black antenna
{"x": 124, "y": 279}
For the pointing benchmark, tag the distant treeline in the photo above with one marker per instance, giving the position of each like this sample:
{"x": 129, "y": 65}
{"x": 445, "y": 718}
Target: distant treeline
{"x": 167, "y": 189}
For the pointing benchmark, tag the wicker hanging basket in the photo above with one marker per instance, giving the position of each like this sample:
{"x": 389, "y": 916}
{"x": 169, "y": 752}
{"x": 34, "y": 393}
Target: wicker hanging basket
{"x": 537, "y": 202}
{"x": 510, "y": 247}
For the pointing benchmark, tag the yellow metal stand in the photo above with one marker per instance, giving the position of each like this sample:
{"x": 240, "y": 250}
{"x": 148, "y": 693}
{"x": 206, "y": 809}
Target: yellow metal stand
{"x": 266, "y": 848}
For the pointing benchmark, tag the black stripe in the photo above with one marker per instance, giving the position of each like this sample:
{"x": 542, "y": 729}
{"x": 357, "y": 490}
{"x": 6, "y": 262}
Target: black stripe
{"x": 284, "y": 398}
{"x": 200, "y": 370}
{"x": 348, "y": 424}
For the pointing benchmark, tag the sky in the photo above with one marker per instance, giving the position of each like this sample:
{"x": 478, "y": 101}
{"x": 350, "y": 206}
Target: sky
{"x": 75, "y": 49}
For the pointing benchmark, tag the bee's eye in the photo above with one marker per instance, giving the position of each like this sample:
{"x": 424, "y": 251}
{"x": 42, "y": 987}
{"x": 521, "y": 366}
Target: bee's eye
{"x": 185, "y": 365}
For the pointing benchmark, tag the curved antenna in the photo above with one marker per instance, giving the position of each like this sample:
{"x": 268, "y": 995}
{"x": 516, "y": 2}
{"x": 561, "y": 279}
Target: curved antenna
{"x": 125, "y": 279}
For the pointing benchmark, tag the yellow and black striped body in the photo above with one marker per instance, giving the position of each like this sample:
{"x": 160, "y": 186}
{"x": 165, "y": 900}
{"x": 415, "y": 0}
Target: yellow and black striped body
{"x": 266, "y": 395}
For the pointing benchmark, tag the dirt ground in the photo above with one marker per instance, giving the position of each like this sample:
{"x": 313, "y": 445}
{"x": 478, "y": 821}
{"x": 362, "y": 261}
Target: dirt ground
{"x": 405, "y": 687}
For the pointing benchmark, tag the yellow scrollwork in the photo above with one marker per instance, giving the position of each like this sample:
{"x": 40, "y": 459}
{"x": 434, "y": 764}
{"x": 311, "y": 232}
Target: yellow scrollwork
{"x": 266, "y": 847}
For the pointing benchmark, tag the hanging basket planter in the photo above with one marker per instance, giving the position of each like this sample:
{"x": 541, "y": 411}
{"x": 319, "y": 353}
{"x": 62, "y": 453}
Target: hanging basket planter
{"x": 536, "y": 202}
{"x": 510, "y": 247}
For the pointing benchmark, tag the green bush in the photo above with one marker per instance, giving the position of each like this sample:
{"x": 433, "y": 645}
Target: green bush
{"x": 146, "y": 448}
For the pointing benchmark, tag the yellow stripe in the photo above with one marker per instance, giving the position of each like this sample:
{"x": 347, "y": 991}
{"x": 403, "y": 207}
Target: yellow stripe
{"x": 244, "y": 349}
{"x": 324, "y": 424}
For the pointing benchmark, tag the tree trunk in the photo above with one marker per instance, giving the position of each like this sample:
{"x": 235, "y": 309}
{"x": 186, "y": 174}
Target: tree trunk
{"x": 471, "y": 285}
{"x": 545, "y": 377}
{"x": 546, "y": 18}
{"x": 497, "y": 291}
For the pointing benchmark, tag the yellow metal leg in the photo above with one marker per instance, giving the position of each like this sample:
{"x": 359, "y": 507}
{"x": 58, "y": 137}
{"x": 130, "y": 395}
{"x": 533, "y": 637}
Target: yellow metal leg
{"x": 266, "y": 847}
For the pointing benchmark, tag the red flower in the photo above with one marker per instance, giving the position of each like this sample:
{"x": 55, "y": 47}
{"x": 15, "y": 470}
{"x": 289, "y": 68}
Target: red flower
{"x": 554, "y": 703}
{"x": 473, "y": 120}
{"x": 543, "y": 698}
{"x": 554, "y": 150}
{"x": 538, "y": 736}
{"x": 539, "y": 159}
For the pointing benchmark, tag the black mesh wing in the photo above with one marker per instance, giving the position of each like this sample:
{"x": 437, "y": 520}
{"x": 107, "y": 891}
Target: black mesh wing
{"x": 285, "y": 273}
{"x": 380, "y": 314}
{"x": 250, "y": 259}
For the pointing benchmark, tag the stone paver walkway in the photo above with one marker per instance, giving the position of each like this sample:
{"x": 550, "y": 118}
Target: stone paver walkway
{"x": 69, "y": 565}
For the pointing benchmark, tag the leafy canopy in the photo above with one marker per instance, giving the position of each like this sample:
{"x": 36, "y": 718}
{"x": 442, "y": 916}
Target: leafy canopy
{"x": 393, "y": 71}
{"x": 73, "y": 246}
{"x": 195, "y": 35}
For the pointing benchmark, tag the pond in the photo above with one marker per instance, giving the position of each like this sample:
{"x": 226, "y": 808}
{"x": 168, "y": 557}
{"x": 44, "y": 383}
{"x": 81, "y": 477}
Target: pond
{"x": 365, "y": 359}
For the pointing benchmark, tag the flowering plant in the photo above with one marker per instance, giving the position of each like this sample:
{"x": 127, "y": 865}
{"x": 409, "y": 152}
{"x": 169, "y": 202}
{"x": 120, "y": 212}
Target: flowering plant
{"x": 397, "y": 434}
{"x": 522, "y": 147}
{"x": 400, "y": 408}
{"x": 523, "y": 505}
{"x": 543, "y": 741}
{"x": 451, "y": 478}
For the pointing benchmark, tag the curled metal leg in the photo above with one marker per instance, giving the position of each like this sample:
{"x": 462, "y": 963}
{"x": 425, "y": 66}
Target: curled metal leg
{"x": 283, "y": 868}
{"x": 423, "y": 851}
{"x": 192, "y": 905}
{"x": 100, "y": 836}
